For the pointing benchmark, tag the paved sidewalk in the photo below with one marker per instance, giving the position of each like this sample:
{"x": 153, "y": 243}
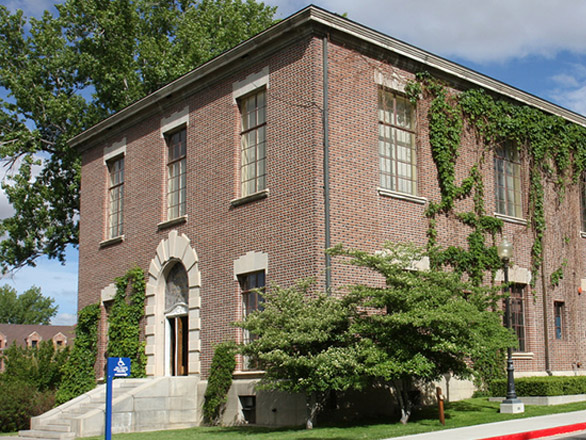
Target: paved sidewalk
{"x": 519, "y": 429}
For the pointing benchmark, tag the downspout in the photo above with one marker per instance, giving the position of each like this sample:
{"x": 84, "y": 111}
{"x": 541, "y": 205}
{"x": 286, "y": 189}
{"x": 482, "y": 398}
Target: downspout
{"x": 545, "y": 314}
{"x": 326, "y": 165}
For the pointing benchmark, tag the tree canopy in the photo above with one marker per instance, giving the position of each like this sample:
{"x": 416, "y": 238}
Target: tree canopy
{"x": 411, "y": 328}
{"x": 63, "y": 73}
{"x": 30, "y": 307}
{"x": 302, "y": 340}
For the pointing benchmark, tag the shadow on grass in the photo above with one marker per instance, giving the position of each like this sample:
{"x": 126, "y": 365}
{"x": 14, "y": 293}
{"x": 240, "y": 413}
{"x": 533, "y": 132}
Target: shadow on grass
{"x": 245, "y": 431}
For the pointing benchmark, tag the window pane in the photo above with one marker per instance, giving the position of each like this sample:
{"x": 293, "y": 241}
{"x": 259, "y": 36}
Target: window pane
{"x": 253, "y": 143}
{"x": 398, "y": 158}
{"x": 177, "y": 175}
{"x": 507, "y": 181}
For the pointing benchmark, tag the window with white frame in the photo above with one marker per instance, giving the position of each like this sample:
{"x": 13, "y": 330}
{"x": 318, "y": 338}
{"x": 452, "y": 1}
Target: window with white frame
{"x": 253, "y": 143}
{"x": 583, "y": 201}
{"x": 396, "y": 140}
{"x": 518, "y": 292}
{"x": 116, "y": 197}
{"x": 176, "y": 174}
{"x": 507, "y": 169}
{"x": 251, "y": 285}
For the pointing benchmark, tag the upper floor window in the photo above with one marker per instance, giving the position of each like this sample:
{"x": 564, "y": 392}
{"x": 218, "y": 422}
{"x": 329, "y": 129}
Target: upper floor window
{"x": 507, "y": 168}
{"x": 116, "y": 196}
{"x": 253, "y": 143}
{"x": 396, "y": 140}
{"x": 176, "y": 174}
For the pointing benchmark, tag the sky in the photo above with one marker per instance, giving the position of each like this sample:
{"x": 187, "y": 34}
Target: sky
{"x": 538, "y": 46}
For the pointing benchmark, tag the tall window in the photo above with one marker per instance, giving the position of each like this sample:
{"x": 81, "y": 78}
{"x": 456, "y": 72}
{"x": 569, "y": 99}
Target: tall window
{"x": 116, "y": 194}
{"x": 253, "y": 144}
{"x": 176, "y": 175}
{"x": 507, "y": 168}
{"x": 251, "y": 284}
{"x": 558, "y": 310}
{"x": 518, "y": 313}
{"x": 396, "y": 140}
{"x": 583, "y": 201}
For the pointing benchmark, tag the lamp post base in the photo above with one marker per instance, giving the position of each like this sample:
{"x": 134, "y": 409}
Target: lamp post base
{"x": 512, "y": 406}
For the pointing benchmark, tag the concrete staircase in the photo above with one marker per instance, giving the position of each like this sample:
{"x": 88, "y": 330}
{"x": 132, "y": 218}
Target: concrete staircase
{"x": 137, "y": 405}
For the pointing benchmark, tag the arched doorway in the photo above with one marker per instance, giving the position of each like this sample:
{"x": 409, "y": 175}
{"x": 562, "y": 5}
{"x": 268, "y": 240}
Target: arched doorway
{"x": 172, "y": 329}
{"x": 176, "y": 320}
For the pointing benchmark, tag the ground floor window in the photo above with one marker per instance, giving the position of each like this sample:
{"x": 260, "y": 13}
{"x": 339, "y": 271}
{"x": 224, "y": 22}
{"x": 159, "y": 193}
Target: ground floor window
{"x": 518, "y": 313}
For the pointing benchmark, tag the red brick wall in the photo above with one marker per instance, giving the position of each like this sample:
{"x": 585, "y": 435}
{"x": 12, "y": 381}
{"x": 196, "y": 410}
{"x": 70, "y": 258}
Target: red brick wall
{"x": 288, "y": 225}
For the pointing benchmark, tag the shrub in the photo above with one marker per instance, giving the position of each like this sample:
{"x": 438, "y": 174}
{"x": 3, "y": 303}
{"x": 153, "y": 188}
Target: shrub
{"x": 19, "y": 401}
{"x": 541, "y": 386}
{"x": 37, "y": 366}
{"x": 219, "y": 382}
{"x": 78, "y": 375}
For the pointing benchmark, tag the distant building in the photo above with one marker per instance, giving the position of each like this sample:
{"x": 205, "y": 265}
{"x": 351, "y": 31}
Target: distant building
{"x": 244, "y": 170}
{"x": 32, "y": 335}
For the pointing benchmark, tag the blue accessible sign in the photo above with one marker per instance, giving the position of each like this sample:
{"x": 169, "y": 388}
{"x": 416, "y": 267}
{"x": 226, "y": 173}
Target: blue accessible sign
{"x": 117, "y": 367}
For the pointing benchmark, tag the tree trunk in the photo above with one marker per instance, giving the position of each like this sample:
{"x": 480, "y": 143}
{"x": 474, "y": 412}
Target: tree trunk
{"x": 405, "y": 404}
{"x": 312, "y": 405}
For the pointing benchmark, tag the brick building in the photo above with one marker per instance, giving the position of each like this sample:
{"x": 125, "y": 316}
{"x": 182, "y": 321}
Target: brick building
{"x": 244, "y": 170}
{"x": 28, "y": 335}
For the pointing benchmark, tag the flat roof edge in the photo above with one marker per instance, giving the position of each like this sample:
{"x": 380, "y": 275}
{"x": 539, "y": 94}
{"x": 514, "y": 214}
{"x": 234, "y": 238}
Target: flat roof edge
{"x": 345, "y": 26}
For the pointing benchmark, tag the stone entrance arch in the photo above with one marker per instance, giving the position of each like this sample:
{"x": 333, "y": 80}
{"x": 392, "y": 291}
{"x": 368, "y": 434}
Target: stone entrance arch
{"x": 159, "y": 342}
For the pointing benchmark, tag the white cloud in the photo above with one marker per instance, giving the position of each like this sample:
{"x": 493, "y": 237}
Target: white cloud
{"x": 572, "y": 98}
{"x": 477, "y": 30}
{"x": 64, "y": 319}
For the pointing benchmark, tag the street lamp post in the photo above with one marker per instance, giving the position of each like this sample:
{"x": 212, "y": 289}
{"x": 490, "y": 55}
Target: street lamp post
{"x": 511, "y": 405}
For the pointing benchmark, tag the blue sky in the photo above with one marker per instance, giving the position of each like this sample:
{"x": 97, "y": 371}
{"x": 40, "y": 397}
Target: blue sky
{"x": 538, "y": 46}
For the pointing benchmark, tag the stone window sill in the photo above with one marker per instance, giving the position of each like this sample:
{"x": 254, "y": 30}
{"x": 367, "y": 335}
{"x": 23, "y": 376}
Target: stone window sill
{"x": 248, "y": 374}
{"x": 112, "y": 241}
{"x": 173, "y": 222}
{"x": 509, "y": 219}
{"x": 523, "y": 356}
{"x": 250, "y": 198}
{"x": 401, "y": 196}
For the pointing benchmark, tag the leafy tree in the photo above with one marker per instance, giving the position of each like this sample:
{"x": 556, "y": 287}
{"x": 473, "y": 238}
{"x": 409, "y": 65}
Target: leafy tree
{"x": 31, "y": 307}
{"x": 29, "y": 382}
{"x": 38, "y": 366}
{"x": 304, "y": 344}
{"x": 410, "y": 328}
{"x": 418, "y": 324}
{"x": 65, "y": 72}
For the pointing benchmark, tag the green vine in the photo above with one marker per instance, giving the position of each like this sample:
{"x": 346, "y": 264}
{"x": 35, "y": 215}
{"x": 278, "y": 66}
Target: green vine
{"x": 124, "y": 321}
{"x": 558, "y": 274}
{"x": 556, "y": 150}
{"x": 78, "y": 374}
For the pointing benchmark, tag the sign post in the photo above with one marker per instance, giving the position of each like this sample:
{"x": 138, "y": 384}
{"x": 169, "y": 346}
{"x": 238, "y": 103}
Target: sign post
{"x": 117, "y": 367}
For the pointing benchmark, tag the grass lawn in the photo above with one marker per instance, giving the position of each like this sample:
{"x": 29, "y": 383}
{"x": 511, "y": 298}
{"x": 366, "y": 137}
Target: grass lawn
{"x": 463, "y": 413}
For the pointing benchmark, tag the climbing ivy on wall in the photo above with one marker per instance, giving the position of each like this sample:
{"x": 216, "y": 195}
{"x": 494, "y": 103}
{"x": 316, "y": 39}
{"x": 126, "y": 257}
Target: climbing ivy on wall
{"x": 125, "y": 319}
{"x": 555, "y": 148}
{"x": 78, "y": 374}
